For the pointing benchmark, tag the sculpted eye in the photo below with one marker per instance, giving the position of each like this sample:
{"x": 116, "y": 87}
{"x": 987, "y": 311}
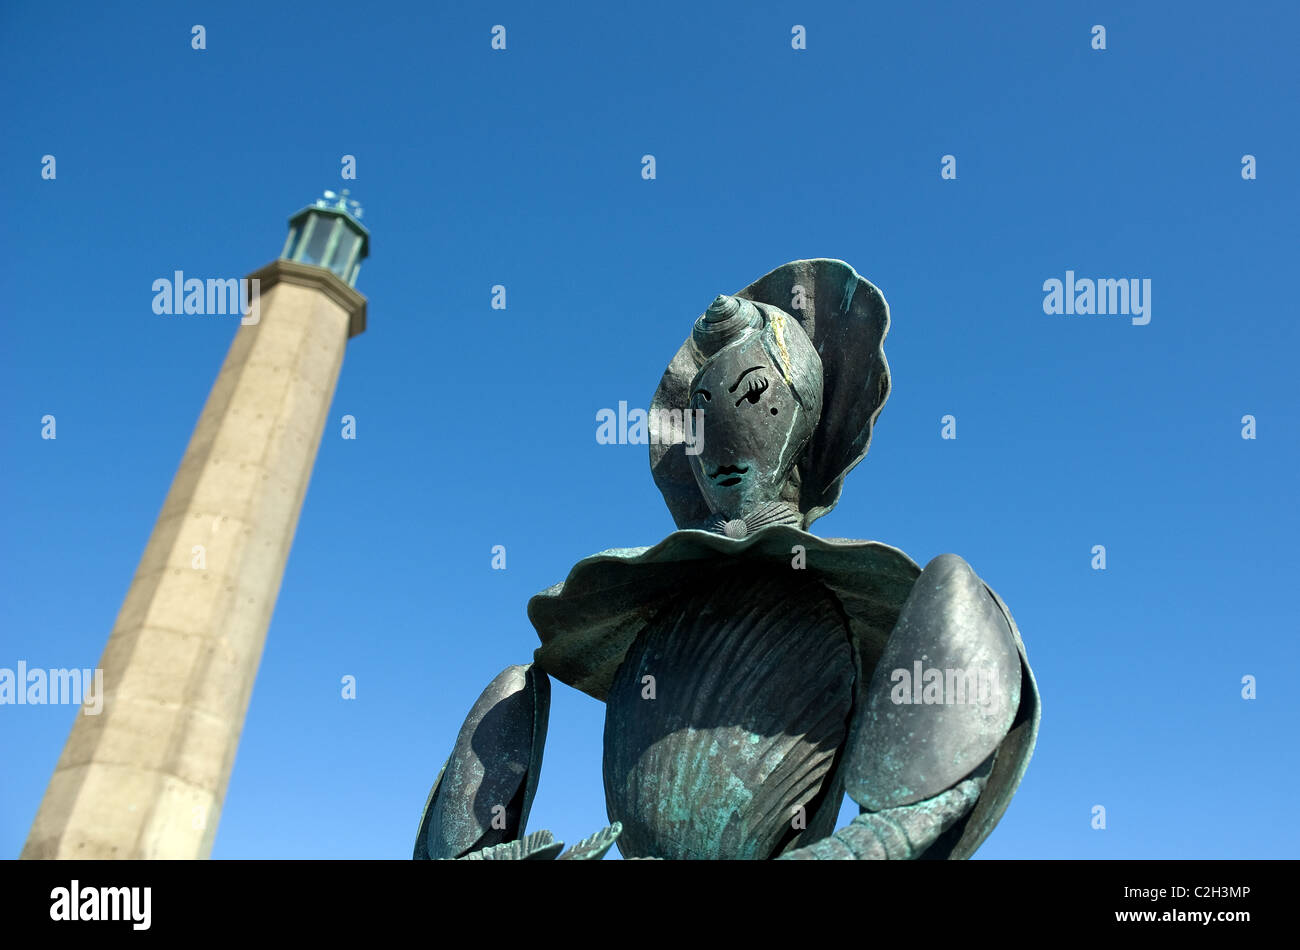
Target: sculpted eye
{"x": 702, "y": 392}
{"x": 755, "y": 387}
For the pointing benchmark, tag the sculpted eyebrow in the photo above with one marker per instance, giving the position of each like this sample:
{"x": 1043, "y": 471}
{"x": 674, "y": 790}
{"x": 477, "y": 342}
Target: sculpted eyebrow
{"x": 742, "y": 376}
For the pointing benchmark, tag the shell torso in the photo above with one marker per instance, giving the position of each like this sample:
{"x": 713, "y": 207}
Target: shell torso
{"x": 726, "y": 719}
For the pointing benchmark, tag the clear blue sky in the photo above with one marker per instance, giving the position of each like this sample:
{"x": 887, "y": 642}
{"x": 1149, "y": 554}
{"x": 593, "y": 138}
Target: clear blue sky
{"x": 477, "y": 427}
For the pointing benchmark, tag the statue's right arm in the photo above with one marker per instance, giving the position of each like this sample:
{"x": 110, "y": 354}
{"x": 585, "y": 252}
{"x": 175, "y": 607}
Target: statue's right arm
{"x": 482, "y": 796}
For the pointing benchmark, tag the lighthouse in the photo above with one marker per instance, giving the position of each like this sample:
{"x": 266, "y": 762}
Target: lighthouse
{"x": 146, "y": 777}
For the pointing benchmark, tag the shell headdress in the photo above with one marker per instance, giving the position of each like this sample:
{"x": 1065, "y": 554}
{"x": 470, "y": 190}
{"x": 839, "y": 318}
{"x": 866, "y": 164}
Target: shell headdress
{"x": 846, "y": 318}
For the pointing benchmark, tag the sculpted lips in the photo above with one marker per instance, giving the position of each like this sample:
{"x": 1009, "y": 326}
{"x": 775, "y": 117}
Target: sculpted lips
{"x": 732, "y": 473}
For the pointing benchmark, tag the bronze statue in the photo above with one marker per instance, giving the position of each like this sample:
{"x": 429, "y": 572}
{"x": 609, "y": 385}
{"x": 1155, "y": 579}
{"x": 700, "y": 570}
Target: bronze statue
{"x": 753, "y": 672}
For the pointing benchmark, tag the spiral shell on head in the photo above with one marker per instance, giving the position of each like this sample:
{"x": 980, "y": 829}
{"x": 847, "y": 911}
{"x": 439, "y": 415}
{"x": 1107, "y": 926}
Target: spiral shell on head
{"x": 726, "y": 320}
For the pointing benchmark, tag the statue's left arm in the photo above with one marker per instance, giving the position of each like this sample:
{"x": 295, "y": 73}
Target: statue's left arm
{"x": 927, "y": 731}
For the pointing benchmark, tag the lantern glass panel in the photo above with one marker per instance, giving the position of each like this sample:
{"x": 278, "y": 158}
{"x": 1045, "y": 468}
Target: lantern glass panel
{"x": 318, "y": 240}
{"x": 347, "y": 242}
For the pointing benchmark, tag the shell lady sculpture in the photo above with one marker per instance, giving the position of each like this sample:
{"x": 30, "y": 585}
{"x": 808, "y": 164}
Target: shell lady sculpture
{"x": 753, "y": 672}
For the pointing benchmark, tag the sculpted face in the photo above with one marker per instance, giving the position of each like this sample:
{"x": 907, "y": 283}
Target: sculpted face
{"x": 755, "y": 428}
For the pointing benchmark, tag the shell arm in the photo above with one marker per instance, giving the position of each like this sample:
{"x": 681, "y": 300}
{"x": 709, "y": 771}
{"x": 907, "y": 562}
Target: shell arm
{"x": 482, "y": 796}
{"x": 926, "y": 732}
{"x": 895, "y": 834}
{"x": 478, "y": 807}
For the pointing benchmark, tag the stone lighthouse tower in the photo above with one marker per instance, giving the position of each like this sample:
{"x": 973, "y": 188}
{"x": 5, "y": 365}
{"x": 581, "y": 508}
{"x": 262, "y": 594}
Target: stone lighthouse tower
{"x": 146, "y": 777}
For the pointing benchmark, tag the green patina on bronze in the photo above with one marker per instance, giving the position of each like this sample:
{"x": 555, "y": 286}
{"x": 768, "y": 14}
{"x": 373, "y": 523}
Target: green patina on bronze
{"x": 752, "y": 670}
